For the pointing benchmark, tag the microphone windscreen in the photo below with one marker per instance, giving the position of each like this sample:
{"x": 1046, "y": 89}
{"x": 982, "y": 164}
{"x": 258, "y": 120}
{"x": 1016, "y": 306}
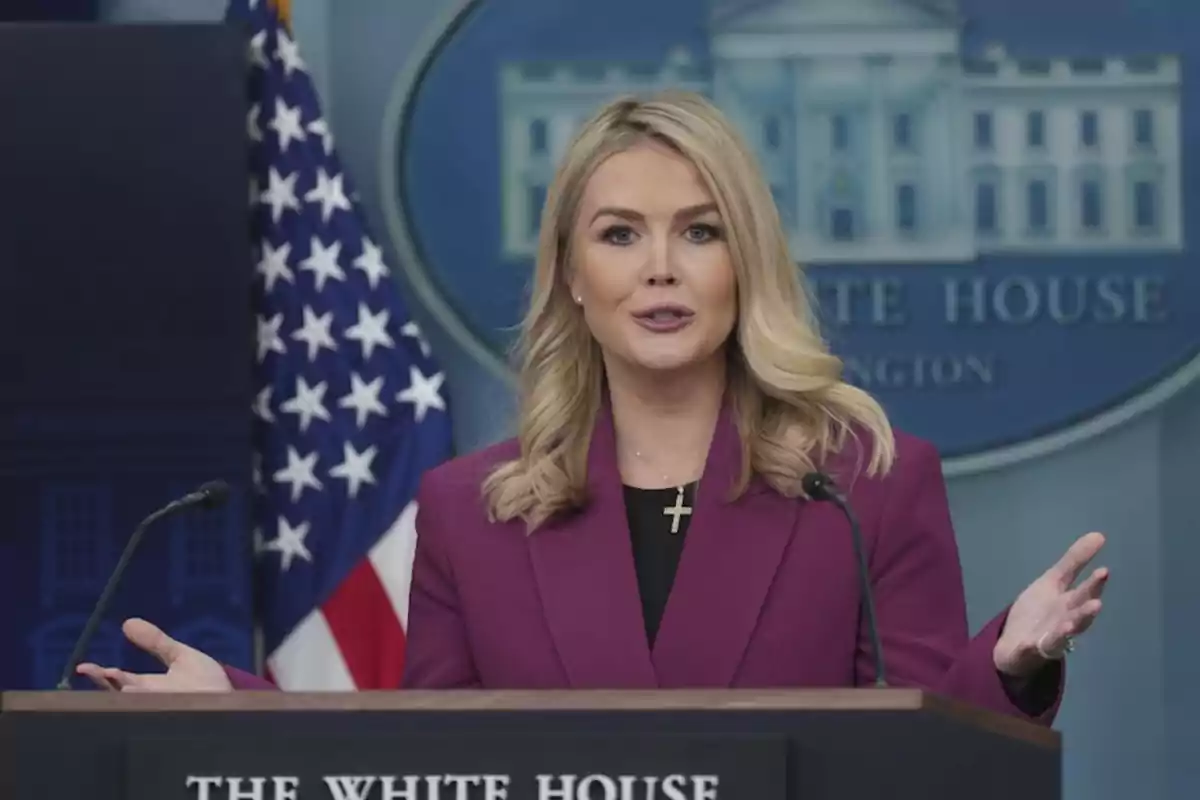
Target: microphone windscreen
{"x": 816, "y": 485}
{"x": 215, "y": 493}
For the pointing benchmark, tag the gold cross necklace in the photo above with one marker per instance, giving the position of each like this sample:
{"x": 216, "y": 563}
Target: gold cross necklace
{"x": 677, "y": 511}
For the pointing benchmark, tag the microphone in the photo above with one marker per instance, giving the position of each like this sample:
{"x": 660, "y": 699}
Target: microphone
{"x": 820, "y": 486}
{"x": 209, "y": 495}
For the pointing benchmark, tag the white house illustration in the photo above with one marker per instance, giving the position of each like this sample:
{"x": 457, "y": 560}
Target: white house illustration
{"x": 882, "y": 141}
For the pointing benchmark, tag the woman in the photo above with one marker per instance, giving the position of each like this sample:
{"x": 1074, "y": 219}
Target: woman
{"x": 648, "y": 526}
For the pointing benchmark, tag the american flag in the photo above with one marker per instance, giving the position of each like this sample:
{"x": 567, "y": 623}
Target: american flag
{"x": 351, "y": 406}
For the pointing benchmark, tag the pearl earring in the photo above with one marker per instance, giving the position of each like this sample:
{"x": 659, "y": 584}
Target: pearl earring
{"x": 579, "y": 299}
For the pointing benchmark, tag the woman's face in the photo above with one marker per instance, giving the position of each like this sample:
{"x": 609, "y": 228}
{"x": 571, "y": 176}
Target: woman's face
{"x": 651, "y": 265}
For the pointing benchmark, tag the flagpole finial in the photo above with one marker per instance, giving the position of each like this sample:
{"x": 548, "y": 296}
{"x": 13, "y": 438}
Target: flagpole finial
{"x": 283, "y": 9}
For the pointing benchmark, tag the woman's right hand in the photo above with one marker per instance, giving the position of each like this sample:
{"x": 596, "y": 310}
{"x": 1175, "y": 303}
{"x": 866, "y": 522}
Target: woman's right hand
{"x": 188, "y": 669}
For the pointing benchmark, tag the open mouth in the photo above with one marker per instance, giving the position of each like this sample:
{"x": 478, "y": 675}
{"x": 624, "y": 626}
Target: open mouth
{"x": 664, "y": 318}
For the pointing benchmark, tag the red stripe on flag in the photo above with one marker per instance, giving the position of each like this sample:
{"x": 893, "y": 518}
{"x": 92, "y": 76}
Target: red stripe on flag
{"x": 367, "y": 630}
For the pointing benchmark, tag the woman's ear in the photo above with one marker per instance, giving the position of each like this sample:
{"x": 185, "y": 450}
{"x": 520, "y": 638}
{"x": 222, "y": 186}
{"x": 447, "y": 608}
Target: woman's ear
{"x": 570, "y": 279}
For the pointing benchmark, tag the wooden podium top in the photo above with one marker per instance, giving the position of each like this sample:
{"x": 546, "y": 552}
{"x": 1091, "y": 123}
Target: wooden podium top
{"x": 840, "y": 700}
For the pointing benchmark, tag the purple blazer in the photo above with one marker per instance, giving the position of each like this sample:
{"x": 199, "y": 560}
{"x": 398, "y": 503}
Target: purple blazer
{"x": 766, "y": 594}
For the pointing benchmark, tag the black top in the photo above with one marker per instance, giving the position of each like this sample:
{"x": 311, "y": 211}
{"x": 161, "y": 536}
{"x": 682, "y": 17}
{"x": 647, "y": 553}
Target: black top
{"x": 656, "y": 549}
{"x": 658, "y": 543}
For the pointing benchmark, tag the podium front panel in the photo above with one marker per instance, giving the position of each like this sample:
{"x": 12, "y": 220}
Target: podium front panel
{"x": 755, "y": 753}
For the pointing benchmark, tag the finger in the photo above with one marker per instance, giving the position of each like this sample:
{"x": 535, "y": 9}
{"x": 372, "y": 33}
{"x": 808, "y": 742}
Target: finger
{"x": 1053, "y": 643}
{"x": 1091, "y": 588}
{"x": 153, "y": 640}
{"x": 149, "y": 683}
{"x": 1085, "y": 616}
{"x": 95, "y": 673}
{"x": 1078, "y": 556}
{"x": 119, "y": 678}
{"x": 1067, "y": 623}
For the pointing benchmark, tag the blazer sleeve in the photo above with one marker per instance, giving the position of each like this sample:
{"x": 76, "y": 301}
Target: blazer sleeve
{"x": 437, "y": 651}
{"x": 246, "y": 681}
{"x": 920, "y": 604}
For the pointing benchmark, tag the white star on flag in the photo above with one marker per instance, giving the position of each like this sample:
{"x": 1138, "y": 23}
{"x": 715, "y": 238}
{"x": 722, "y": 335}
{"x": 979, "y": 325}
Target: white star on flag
{"x": 289, "y": 543}
{"x": 424, "y": 393}
{"x": 280, "y": 193}
{"x": 371, "y": 263}
{"x": 364, "y": 398}
{"x": 318, "y": 127}
{"x": 322, "y": 262}
{"x": 308, "y": 402}
{"x": 300, "y": 473}
{"x": 330, "y": 194}
{"x": 315, "y": 332}
{"x": 286, "y": 124}
{"x": 273, "y": 264}
{"x": 355, "y": 468}
{"x": 371, "y": 330}
{"x": 269, "y": 340}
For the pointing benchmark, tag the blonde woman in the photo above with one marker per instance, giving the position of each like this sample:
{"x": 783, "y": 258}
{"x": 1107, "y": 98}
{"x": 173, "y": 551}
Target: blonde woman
{"x": 648, "y": 526}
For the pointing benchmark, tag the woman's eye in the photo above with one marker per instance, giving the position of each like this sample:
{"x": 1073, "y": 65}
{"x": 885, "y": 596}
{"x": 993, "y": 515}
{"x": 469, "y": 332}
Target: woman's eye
{"x": 703, "y": 232}
{"x": 617, "y": 234}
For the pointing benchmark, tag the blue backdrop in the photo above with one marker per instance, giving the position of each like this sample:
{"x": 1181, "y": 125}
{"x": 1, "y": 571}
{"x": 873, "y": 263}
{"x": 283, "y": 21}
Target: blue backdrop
{"x": 124, "y": 266}
{"x": 50, "y": 10}
{"x": 1107, "y": 316}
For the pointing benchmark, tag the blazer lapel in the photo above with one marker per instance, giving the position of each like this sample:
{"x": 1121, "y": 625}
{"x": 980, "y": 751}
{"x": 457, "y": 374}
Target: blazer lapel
{"x": 729, "y": 560}
{"x": 583, "y": 565}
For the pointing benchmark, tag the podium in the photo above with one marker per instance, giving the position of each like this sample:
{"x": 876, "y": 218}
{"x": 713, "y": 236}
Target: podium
{"x": 840, "y": 744}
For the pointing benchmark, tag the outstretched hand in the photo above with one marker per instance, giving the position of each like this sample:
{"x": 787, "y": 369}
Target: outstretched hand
{"x": 188, "y": 669}
{"x": 1046, "y": 617}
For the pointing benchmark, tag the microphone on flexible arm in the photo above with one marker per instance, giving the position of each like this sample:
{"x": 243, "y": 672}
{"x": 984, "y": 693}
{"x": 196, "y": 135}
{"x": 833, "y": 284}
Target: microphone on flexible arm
{"x": 820, "y": 486}
{"x": 209, "y": 495}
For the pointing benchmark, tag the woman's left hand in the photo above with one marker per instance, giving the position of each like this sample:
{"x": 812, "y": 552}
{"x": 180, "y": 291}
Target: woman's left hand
{"x": 1046, "y": 617}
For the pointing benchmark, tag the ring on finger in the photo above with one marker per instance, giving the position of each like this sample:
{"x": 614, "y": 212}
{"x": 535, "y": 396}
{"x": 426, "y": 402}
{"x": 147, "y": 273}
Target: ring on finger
{"x": 1068, "y": 645}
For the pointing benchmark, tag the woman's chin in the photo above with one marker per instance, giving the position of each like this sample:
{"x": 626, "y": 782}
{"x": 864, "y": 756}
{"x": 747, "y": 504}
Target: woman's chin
{"x": 667, "y": 361}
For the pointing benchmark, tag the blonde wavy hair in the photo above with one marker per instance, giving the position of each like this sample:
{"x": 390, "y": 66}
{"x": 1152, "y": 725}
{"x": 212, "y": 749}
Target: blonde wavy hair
{"x": 791, "y": 404}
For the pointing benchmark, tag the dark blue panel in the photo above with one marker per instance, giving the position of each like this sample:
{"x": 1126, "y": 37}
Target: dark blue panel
{"x": 49, "y": 10}
{"x": 125, "y": 315}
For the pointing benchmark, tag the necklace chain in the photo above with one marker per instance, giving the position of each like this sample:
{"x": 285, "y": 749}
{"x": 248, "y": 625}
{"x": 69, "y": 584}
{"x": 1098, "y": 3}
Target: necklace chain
{"x": 678, "y": 509}
{"x": 666, "y": 477}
